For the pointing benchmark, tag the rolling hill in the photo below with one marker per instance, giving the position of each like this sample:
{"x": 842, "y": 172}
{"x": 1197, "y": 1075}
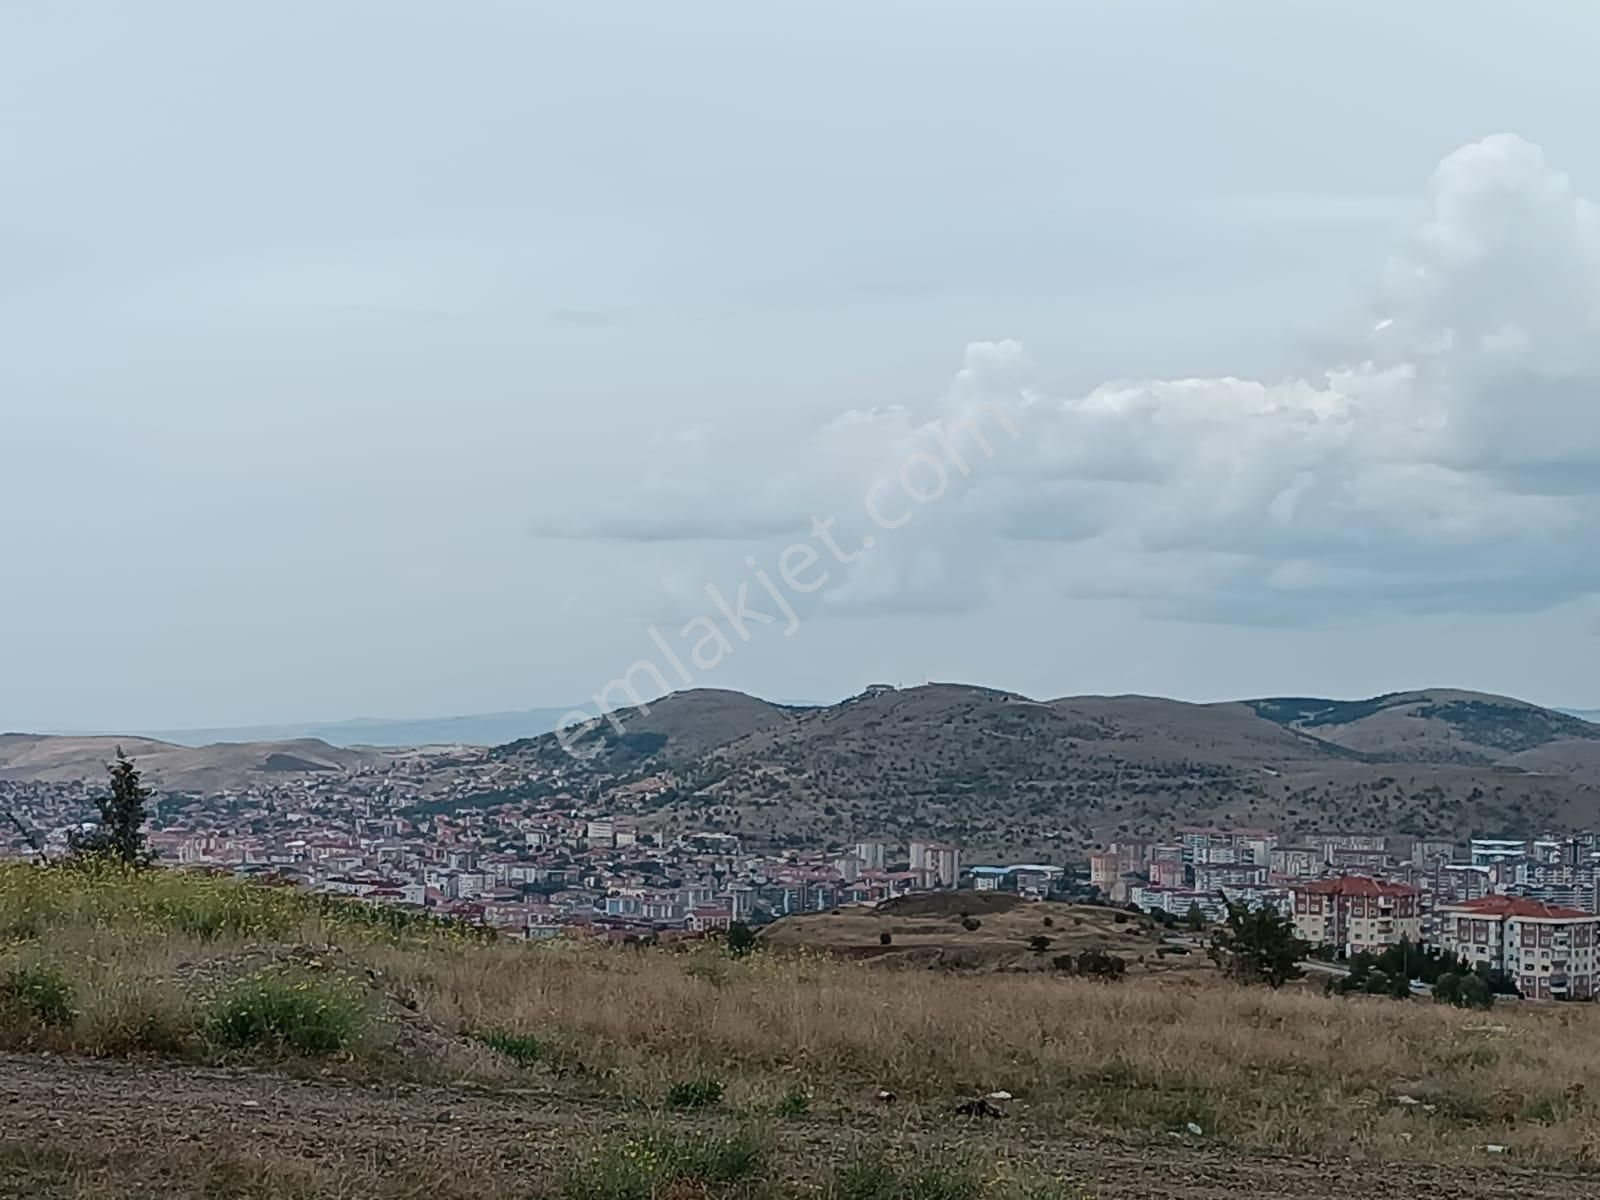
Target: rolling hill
{"x": 35, "y": 758}
{"x": 479, "y": 729}
{"x": 1013, "y": 775}
{"x": 1432, "y": 726}
{"x": 677, "y": 728}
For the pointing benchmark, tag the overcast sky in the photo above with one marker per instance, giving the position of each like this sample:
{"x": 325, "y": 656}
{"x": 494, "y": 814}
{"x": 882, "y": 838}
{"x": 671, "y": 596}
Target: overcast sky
{"x": 401, "y": 358}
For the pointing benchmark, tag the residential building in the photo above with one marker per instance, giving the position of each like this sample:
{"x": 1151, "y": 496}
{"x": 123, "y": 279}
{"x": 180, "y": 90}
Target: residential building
{"x": 874, "y": 855}
{"x": 1355, "y": 913}
{"x": 1549, "y": 952}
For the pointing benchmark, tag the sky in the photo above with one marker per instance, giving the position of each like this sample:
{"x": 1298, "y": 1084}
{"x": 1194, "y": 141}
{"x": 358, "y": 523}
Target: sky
{"x": 394, "y": 358}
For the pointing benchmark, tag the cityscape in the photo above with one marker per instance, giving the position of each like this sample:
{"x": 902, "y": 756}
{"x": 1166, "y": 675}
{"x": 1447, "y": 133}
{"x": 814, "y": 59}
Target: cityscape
{"x": 555, "y": 867}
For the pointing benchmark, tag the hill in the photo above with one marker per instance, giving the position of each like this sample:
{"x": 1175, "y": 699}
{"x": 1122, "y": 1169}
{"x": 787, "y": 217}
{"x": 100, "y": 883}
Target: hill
{"x": 989, "y": 931}
{"x": 479, "y": 729}
{"x": 678, "y": 728}
{"x": 35, "y": 758}
{"x": 1432, "y": 726}
{"x": 1007, "y": 774}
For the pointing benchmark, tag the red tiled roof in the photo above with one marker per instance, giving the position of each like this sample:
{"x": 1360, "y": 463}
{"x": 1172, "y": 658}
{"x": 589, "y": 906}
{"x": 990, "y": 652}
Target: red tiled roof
{"x": 1357, "y": 885}
{"x": 1514, "y": 906}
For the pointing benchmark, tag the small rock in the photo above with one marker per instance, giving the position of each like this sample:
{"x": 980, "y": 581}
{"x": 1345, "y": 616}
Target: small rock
{"x": 1491, "y": 1148}
{"x": 251, "y": 1103}
{"x": 885, "y": 1097}
{"x": 1430, "y": 1108}
{"x": 1408, "y": 1101}
{"x": 1195, "y": 1129}
{"x": 999, "y": 1096}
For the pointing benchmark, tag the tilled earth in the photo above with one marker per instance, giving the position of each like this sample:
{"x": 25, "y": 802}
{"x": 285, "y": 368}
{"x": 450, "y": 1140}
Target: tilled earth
{"x": 71, "y": 1128}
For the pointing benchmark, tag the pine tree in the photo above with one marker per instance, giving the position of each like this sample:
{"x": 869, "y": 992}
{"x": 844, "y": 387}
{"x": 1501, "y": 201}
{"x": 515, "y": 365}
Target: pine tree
{"x": 1257, "y": 945}
{"x": 122, "y": 817}
{"x": 741, "y": 939}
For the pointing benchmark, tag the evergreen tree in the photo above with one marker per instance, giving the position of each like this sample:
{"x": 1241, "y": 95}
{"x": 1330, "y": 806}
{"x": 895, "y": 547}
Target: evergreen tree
{"x": 1195, "y": 919}
{"x": 122, "y": 817}
{"x": 741, "y": 939}
{"x": 1257, "y": 945}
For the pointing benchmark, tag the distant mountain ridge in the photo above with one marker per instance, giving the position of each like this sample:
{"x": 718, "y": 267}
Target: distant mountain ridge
{"x": 992, "y": 770}
{"x": 1438, "y": 725}
{"x": 43, "y": 759}
{"x": 1003, "y": 771}
{"x": 479, "y": 729}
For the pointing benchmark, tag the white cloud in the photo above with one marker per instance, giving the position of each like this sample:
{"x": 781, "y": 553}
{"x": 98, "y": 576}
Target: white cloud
{"x": 1448, "y": 460}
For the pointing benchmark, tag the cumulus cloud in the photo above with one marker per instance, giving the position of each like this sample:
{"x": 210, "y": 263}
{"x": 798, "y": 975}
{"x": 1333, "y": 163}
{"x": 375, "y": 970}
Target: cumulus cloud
{"x": 1448, "y": 459}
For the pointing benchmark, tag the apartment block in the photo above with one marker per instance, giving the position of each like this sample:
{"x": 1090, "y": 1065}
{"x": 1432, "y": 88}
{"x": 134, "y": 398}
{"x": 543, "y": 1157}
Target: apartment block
{"x": 1547, "y": 950}
{"x": 1355, "y": 913}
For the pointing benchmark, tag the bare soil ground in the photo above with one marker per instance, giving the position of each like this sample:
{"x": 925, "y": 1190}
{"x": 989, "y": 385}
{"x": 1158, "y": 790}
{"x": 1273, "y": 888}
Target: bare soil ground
{"x": 79, "y": 1128}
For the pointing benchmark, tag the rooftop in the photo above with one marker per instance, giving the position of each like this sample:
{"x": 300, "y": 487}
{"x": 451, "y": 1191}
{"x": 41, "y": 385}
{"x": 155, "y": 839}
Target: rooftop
{"x": 1515, "y": 906}
{"x": 1356, "y": 885}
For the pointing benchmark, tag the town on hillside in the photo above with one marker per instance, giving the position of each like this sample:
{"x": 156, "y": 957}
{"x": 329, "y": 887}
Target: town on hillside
{"x": 554, "y": 865}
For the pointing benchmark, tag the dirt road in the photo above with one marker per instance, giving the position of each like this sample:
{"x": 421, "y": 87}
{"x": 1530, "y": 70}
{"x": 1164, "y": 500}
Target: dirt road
{"x": 81, "y": 1129}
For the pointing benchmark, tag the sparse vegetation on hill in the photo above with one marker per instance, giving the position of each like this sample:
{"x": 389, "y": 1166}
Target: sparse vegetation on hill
{"x": 1017, "y": 778}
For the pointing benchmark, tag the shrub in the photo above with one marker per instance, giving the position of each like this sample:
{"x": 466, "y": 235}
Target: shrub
{"x": 1049, "y": 921}
{"x": 1091, "y": 964}
{"x": 1474, "y": 993}
{"x": 521, "y": 1048}
{"x": 695, "y": 1093}
{"x": 886, "y": 938}
{"x": 37, "y": 992}
{"x": 1039, "y": 943}
{"x": 869, "y": 1175}
{"x": 971, "y": 924}
{"x": 278, "y": 1011}
{"x": 659, "y": 1163}
{"x": 742, "y": 939}
{"x": 796, "y": 1103}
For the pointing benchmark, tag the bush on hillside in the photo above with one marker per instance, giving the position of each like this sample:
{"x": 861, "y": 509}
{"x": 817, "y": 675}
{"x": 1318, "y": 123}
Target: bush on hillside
{"x": 1091, "y": 964}
{"x": 278, "y": 1011}
{"x": 695, "y": 1093}
{"x": 36, "y": 992}
{"x": 660, "y": 1163}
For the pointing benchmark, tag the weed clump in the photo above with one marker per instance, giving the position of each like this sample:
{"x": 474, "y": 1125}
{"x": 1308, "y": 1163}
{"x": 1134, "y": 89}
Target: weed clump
{"x": 278, "y": 1011}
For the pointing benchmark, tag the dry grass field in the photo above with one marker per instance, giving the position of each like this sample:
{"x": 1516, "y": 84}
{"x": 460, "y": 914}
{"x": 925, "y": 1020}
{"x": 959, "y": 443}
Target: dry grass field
{"x": 191, "y": 976}
{"x": 988, "y": 931}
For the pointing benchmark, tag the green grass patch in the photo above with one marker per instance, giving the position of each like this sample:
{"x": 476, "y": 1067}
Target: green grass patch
{"x": 34, "y": 899}
{"x": 280, "y": 1011}
{"x": 868, "y": 1175}
{"x": 36, "y": 992}
{"x": 794, "y": 1105}
{"x": 659, "y": 1163}
{"x": 521, "y": 1048}
{"x": 695, "y": 1093}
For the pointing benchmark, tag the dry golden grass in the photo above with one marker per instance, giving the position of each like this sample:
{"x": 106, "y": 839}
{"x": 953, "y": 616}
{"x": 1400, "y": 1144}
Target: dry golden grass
{"x": 1292, "y": 1071}
{"x": 987, "y": 930}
